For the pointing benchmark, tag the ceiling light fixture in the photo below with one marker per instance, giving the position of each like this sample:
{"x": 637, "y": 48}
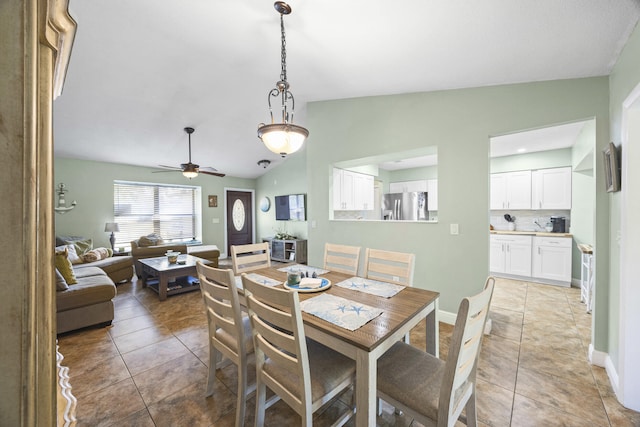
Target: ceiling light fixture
{"x": 264, "y": 163}
{"x": 285, "y": 137}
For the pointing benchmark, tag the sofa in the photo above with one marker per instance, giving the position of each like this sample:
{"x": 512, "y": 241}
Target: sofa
{"x": 88, "y": 302}
{"x": 141, "y": 249}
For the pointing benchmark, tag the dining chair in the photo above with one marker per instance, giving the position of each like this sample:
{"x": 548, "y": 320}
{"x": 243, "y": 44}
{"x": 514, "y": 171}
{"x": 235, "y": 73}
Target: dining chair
{"x": 230, "y": 337}
{"x": 432, "y": 391}
{"x": 387, "y": 266}
{"x": 250, "y": 257}
{"x": 341, "y": 258}
{"x": 304, "y": 373}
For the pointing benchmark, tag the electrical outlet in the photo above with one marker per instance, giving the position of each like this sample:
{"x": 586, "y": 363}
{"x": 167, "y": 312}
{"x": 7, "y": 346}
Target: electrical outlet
{"x": 216, "y": 220}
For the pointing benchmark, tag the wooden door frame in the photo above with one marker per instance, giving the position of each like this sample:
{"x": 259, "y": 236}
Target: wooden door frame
{"x": 253, "y": 216}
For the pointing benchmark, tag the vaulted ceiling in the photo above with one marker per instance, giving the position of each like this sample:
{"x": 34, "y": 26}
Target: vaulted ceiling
{"x": 142, "y": 70}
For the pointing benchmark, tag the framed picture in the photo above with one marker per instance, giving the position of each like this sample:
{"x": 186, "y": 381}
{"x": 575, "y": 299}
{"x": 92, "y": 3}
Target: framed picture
{"x": 213, "y": 201}
{"x": 611, "y": 168}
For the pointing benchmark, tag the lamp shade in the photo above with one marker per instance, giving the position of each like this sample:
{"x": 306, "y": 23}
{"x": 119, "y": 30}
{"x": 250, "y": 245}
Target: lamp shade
{"x": 112, "y": 227}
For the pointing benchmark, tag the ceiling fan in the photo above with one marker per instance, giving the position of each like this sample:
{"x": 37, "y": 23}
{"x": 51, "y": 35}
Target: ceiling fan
{"x": 190, "y": 170}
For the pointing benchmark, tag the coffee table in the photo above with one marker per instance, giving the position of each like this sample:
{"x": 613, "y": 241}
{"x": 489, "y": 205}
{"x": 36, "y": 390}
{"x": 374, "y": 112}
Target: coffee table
{"x": 184, "y": 272}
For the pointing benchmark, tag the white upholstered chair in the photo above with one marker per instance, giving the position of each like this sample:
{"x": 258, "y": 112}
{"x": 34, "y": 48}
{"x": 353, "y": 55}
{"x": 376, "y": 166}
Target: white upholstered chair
{"x": 430, "y": 390}
{"x": 387, "y": 266}
{"x": 342, "y": 258}
{"x": 250, "y": 257}
{"x": 304, "y": 373}
{"x": 229, "y": 331}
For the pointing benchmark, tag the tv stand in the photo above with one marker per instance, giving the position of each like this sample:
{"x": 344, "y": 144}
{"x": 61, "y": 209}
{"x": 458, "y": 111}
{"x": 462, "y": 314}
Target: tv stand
{"x": 287, "y": 250}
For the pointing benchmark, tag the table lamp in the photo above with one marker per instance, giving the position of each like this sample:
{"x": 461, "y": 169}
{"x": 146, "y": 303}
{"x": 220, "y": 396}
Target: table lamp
{"x": 112, "y": 227}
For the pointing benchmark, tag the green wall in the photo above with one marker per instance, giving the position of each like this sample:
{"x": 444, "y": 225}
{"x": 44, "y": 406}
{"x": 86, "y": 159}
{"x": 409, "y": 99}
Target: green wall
{"x": 91, "y": 185}
{"x": 460, "y": 123}
{"x": 290, "y": 177}
{"x": 537, "y": 160}
{"x": 583, "y": 193}
{"x": 622, "y": 80}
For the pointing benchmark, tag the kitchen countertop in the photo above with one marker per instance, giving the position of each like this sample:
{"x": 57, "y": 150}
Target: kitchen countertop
{"x": 531, "y": 233}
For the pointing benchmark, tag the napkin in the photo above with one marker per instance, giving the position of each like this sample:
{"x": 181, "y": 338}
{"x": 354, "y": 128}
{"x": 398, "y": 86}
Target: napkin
{"x": 309, "y": 283}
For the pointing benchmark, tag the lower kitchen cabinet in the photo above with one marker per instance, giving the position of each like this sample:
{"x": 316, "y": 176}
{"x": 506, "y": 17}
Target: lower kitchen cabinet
{"x": 510, "y": 255}
{"x": 552, "y": 258}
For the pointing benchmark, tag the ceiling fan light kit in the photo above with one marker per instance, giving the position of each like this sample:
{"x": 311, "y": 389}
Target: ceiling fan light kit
{"x": 282, "y": 138}
{"x": 264, "y": 163}
{"x": 190, "y": 170}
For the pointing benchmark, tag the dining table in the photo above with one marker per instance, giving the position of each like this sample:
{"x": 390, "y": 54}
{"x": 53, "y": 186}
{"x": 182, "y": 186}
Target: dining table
{"x": 400, "y": 313}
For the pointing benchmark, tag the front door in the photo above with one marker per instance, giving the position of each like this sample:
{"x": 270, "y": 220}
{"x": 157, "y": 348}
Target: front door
{"x": 239, "y": 219}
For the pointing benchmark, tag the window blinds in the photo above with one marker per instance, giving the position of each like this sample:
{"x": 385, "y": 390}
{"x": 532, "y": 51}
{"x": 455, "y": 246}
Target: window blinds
{"x": 171, "y": 211}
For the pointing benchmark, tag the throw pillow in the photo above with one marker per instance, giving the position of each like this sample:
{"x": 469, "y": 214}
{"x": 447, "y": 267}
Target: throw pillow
{"x": 150, "y": 240}
{"x": 97, "y": 254}
{"x": 64, "y": 265}
{"x": 71, "y": 253}
{"x": 83, "y": 246}
{"x": 61, "y": 284}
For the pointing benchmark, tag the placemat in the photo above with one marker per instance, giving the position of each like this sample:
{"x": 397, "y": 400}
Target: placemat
{"x": 340, "y": 311}
{"x": 301, "y": 268}
{"x": 264, "y": 280}
{"x": 374, "y": 287}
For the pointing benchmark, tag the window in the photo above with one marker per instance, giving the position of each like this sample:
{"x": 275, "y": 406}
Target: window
{"x": 171, "y": 211}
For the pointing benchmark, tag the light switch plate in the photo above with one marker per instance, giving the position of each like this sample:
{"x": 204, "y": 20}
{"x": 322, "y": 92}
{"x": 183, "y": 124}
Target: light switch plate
{"x": 454, "y": 229}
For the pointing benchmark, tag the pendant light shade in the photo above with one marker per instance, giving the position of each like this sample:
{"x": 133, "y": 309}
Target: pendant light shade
{"x": 282, "y": 138}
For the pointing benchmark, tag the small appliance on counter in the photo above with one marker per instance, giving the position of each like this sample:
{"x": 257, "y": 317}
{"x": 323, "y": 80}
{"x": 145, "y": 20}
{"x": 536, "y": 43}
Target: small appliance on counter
{"x": 559, "y": 224}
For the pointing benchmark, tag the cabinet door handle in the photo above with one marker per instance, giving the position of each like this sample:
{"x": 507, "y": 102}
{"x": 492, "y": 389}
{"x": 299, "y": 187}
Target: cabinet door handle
{"x": 538, "y": 250}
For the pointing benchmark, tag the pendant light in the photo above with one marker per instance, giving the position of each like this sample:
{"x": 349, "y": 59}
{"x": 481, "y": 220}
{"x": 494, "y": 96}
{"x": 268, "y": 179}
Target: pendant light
{"x": 282, "y": 138}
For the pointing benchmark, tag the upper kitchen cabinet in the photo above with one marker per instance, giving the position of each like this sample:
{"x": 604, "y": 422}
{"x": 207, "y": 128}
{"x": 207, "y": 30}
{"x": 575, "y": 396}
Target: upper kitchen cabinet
{"x": 408, "y": 186}
{"x": 511, "y": 190}
{"x": 352, "y": 191}
{"x": 551, "y": 188}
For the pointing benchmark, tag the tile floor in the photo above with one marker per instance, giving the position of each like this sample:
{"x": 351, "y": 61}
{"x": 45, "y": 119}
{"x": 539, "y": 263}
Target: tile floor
{"x": 149, "y": 367}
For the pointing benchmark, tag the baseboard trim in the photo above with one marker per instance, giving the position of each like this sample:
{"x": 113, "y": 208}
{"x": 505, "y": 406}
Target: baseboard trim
{"x": 447, "y": 317}
{"x": 602, "y": 359}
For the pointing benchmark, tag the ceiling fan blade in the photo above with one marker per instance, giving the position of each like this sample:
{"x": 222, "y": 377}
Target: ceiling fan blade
{"x": 167, "y": 170}
{"x": 212, "y": 173}
{"x": 209, "y": 169}
{"x": 170, "y": 167}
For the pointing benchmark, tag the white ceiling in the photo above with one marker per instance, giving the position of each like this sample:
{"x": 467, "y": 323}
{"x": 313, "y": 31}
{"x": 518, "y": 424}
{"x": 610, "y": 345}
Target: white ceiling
{"x": 142, "y": 70}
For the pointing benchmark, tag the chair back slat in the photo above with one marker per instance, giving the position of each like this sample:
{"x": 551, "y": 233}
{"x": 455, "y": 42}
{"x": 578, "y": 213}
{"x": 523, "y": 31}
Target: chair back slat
{"x": 342, "y": 258}
{"x": 250, "y": 257}
{"x": 278, "y": 335}
{"x": 462, "y": 361}
{"x": 388, "y": 266}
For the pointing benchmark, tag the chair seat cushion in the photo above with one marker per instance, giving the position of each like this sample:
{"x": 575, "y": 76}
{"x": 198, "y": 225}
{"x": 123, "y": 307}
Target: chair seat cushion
{"x": 413, "y": 377}
{"x": 328, "y": 370}
{"x": 230, "y": 341}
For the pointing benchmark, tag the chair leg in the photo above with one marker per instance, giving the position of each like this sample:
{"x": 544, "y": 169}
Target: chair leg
{"x": 213, "y": 357}
{"x": 261, "y": 395}
{"x": 470, "y": 409}
{"x": 242, "y": 395}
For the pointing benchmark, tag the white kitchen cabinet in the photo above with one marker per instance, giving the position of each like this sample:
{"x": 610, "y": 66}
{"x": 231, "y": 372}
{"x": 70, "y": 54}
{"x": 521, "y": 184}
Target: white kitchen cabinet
{"x": 408, "y": 186}
{"x": 432, "y": 194}
{"x": 363, "y": 192}
{"x": 352, "y": 190}
{"x": 552, "y": 258}
{"x": 510, "y": 254}
{"x": 551, "y": 188}
{"x": 511, "y": 190}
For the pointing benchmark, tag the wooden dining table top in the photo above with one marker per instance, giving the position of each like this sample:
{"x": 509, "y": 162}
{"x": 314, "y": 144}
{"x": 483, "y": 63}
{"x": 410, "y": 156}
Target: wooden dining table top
{"x": 396, "y": 310}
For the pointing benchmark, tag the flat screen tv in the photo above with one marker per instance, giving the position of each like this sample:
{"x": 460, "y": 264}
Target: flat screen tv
{"x": 290, "y": 207}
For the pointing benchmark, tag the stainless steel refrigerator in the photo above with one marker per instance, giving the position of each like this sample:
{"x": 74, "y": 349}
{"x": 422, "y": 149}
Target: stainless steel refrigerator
{"x": 405, "y": 206}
